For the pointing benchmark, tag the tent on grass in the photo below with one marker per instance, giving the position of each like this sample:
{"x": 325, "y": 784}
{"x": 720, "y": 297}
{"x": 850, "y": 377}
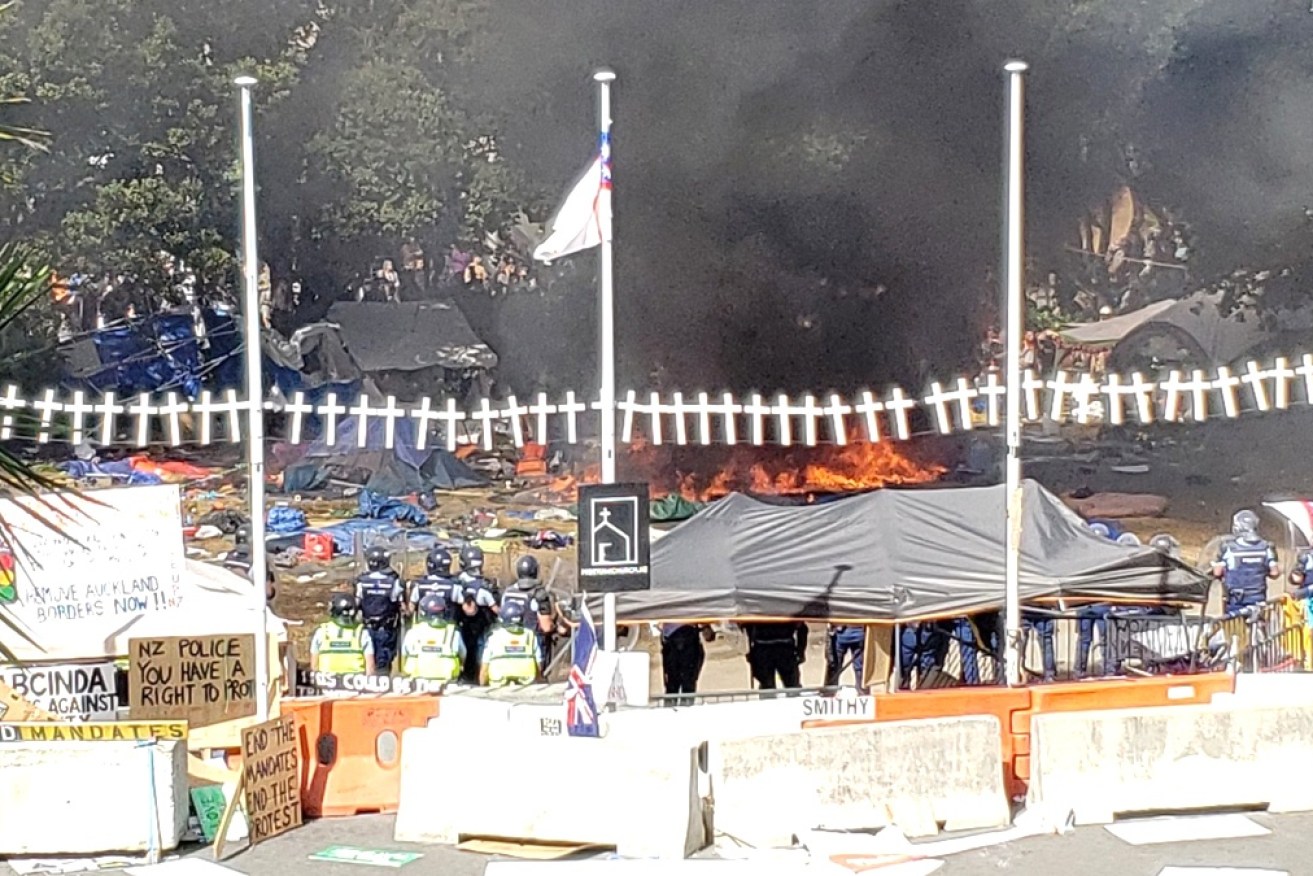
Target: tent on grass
{"x": 891, "y": 555}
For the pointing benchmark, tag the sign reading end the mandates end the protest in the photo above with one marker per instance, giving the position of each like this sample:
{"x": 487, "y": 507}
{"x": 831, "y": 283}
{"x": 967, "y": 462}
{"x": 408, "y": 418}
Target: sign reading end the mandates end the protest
{"x": 271, "y": 778}
{"x": 200, "y": 679}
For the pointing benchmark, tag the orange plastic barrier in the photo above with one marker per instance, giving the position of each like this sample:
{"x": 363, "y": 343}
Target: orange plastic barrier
{"x": 1010, "y": 706}
{"x": 351, "y": 751}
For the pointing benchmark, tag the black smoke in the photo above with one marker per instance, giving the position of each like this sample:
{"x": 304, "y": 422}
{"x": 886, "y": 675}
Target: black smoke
{"x": 808, "y": 193}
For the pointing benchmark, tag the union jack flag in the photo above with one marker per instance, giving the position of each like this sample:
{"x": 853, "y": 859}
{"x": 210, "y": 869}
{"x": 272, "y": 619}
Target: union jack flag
{"x": 580, "y": 707}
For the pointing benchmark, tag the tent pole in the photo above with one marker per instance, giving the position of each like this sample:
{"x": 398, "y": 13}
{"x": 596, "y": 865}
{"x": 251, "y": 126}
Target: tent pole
{"x": 1014, "y": 279}
{"x": 255, "y": 404}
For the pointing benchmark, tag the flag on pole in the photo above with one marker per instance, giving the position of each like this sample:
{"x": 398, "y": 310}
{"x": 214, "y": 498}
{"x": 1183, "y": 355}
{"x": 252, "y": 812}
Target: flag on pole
{"x": 584, "y": 219}
{"x": 580, "y": 707}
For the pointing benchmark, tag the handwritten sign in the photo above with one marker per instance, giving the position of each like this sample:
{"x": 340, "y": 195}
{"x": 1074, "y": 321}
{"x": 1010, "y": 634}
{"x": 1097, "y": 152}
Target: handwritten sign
{"x": 68, "y": 691}
{"x": 204, "y": 679}
{"x": 314, "y": 683}
{"x": 119, "y": 731}
{"x": 118, "y": 557}
{"x": 271, "y": 777}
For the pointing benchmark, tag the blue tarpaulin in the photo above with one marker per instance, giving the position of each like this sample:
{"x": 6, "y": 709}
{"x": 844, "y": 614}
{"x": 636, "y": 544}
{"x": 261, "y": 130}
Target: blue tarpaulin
{"x": 382, "y": 508}
{"x": 120, "y": 470}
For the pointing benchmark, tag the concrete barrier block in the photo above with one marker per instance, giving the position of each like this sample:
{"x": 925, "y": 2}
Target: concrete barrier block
{"x": 1098, "y": 765}
{"x": 1271, "y": 689}
{"x": 915, "y": 774}
{"x": 82, "y": 798}
{"x": 655, "y": 813}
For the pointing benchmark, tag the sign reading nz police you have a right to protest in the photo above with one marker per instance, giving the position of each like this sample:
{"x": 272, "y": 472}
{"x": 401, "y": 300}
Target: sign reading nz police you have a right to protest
{"x": 271, "y": 778}
{"x": 202, "y": 679}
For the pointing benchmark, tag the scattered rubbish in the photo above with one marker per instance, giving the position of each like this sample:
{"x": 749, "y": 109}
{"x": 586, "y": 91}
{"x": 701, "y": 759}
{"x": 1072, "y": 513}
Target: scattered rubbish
{"x": 549, "y": 539}
{"x": 377, "y": 507}
{"x": 225, "y": 521}
{"x": 528, "y": 851}
{"x": 1185, "y": 828}
{"x": 26, "y": 866}
{"x": 1130, "y": 469}
{"x": 284, "y": 519}
{"x": 1117, "y": 505}
{"x": 306, "y": 579}
{"x": 368, "y": 857}
{"x": 1219, "y": 871}
{"x": 207, "y": 531}
{"x": 553, "y": 514}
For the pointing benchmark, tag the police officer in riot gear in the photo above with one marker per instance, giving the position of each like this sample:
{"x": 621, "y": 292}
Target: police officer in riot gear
{"x": 380, "y": 593}
{"x": 534, "y": 601}
{"x": 341, "y": 645}
{"x": 471, "y": 573}
{"x": 1166, "y": 544}
{"x": 776, "y": 649}
{"x": 433, "y": 649}
{"x": 474, "y": 619}
{"x": 1244, "y": 563}
{"x": 510, "y": 655}
{"x": 437, "y": 578}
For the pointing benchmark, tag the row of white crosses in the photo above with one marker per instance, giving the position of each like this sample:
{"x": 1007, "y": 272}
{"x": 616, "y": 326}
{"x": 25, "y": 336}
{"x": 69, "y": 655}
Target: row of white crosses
{"x": 698, "y": 419}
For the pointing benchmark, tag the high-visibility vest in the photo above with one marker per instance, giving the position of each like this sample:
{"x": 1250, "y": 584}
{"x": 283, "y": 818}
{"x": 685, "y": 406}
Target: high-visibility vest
{"x": 341, "y": 649}
{"x": 512, "y": 656}
{"x": 429, "y": 651}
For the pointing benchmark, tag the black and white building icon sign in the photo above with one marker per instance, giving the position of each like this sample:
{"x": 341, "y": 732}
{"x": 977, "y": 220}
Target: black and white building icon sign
{"x": 614, "y": 541}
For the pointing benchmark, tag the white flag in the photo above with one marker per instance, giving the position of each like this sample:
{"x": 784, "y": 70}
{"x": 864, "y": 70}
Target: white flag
{"x": 584, "y": 220}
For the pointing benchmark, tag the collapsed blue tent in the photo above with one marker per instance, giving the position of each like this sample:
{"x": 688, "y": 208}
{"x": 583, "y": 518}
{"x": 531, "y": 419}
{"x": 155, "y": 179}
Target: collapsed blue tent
{"x": 403, "y": 469}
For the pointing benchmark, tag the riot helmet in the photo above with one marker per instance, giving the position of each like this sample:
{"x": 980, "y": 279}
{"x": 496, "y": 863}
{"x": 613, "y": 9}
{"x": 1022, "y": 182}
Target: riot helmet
{"x": 1129, "y": 539}
{"x": 1244, "y": 524}
{"x": 432, "y": 608}
{"x": 344, "y": 608}
{"x": 471, "y": 559}
{"x": 512, "y": 614}
{"x": 438, "y": 561}
{"x": 526, "y": 568}
{"x": 1165, "y": 544}
{"x": 1101, "y": 530}
{"x": 376, "y": 558}
{"x": 243, "y": 535}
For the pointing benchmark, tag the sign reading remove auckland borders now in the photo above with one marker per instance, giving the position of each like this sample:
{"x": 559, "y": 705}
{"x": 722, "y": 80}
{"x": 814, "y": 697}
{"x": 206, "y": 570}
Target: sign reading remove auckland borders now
{"x": 615, "y": 541}
{"x": 117, "y": 557}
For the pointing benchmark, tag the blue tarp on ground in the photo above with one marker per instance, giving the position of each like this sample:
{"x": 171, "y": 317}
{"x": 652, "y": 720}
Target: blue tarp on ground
{"x": 376, "y": 507}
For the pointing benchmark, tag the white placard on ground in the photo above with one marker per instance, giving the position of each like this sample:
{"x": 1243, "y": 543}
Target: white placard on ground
{"x": 1185, "y": 828}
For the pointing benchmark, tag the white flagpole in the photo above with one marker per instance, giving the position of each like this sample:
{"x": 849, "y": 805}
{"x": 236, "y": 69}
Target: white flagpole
{"x": 606, "y": 343}
{"x": 1014, "y": 280}
{"x": 255, "y": 404}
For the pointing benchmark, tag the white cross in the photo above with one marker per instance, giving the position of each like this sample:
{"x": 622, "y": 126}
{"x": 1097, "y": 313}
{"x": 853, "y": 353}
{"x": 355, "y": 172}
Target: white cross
{"x": 540, "y": 410}
{"x": 728, "y": 411}
{"x": 78, "y": 410}
{"x": 653, "y": 409}
{"x": 940, "y": 400}
{"x": 1032, "y": 386}
{"x": 485, "y": 415}
{"x": 1144, "y": 397}
{"x": 143, "y": 411}
{"x": 1116, "y": 394}
{"x": 451, "y": 417}
{"x": 836, "y": 410}
{"x": 1254, "y": 377}
{"x": 1085, "y": 393}
{"x": 172, "y": 409}
{"x": 233, "y": 408}
{"x": 298, "y": 409}
{"x": 1173, "y": 387}
{"x": 758, "y": 412}
{"x": 1305, "y": 370}
{"x": 1199, "y": 387}
{"x": 681, "y": 428}
{"x": 1228, "y": 384}
{"x": 330, "y": 410}
{"x": 10, "y": 402}
{"x": 870, "y": 408}
{"x": 900, "y": 404}
{"x": 572, "y": 409}
{"x": 391, "y": 413}
{"x": 784, "y": 413}
{"x": 811, "y": 412}
{"x": 994, "y": 392}
{"x": 1061, "y": 388}
{"x": 513, "y": 412}
{"x": 107, "y": 410}
{"x": 704, "y": 418}
{"x": 627, "y": 421}
{"x": 362, "y": 411}
{"x": 1282, "y": 374}
{"x": 48, "y": 408}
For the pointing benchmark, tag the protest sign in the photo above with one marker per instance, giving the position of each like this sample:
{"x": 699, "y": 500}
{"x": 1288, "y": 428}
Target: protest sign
{"x": 66, "y": 691}
{"x": 116, "y": 731}
{"x": 203, "y": 679}
{"x": 271, "y": 778}
{"x": 117, "y": 556}
{"x": 315, "y": 683}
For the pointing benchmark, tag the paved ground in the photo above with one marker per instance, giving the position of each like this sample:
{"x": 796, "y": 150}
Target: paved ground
{"x": 1090, "y": 851}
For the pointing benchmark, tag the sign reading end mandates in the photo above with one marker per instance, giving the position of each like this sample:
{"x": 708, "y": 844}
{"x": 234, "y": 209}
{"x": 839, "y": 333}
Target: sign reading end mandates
{"x": 271, "y": 778}
{"x": 614, "y": 540}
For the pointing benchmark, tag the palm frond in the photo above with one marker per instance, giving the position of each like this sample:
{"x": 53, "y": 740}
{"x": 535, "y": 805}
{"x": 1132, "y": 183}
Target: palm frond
{"x": 29, "y": 137}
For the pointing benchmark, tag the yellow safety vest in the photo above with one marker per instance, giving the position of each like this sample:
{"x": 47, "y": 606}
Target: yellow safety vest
{"x": 512, "y": 657}
{"x": 341, "y": 649}
{"x": 429, "y": 652}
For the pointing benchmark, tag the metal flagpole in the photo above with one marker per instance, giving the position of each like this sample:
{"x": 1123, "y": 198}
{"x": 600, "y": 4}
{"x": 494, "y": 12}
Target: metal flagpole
{"x": 1014, "y": 283}
{"x": 255, "y": 403}
{"x": 606, "y": 334}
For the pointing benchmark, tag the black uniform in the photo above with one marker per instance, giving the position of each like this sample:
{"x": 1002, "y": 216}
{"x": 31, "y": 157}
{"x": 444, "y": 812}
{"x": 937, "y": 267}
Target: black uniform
{"x": 474, "y": 617}
{"x": 776, "y": 649}
{"x": 535, "y": 603}
{"x": 682, "y": 656}
{"x": 380, "y": 594}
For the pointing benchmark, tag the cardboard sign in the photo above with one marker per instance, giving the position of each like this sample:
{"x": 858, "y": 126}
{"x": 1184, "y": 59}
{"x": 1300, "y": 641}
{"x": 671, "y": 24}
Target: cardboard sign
{"x": 615, "y": 540}
{"x": 860, "y": 708}
{"x": 117, "y": 558}
{"x": 203, "y": 679}
{"x": 13, "y": 707}
{"x": 67, "y": 691}
{"x": 315, "y": 683}
{"x": 369, "y": 857}
{"x": 118, "y": 731}
{"x": 271, "y": 778}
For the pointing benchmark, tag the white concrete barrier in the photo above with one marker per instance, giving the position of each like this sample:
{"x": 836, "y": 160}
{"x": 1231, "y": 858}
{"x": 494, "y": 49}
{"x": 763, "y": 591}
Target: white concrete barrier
{"x": 915, "y": 774}
{"x": 1098, "y": 765}
{"x": 645, "y": 800}
{"x": 1270, "y": 689}
{"x": 80, "y": 798}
